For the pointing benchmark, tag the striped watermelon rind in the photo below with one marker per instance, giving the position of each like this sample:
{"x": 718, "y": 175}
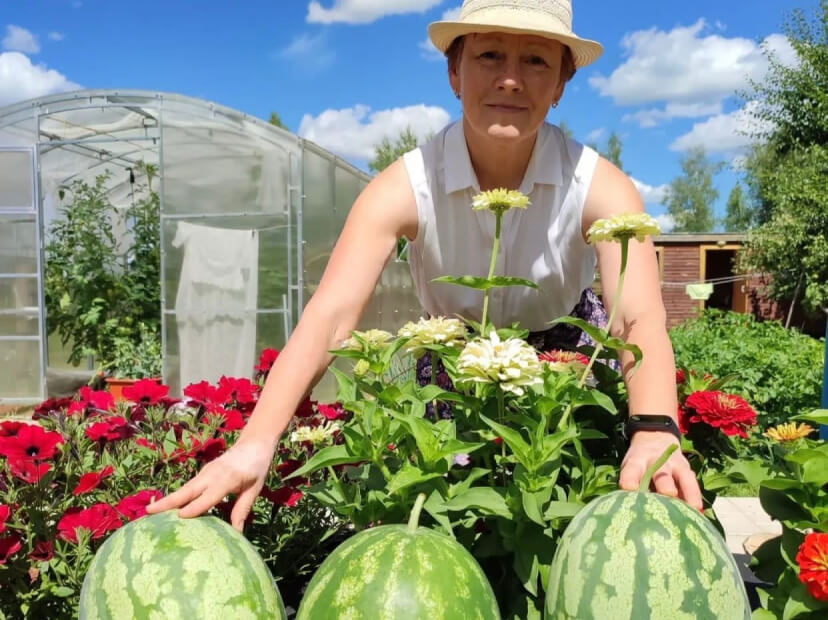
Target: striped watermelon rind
{"x": 164, "y": 567}
{"x": 392, "y": 572}
{"x": 641, "y": 555}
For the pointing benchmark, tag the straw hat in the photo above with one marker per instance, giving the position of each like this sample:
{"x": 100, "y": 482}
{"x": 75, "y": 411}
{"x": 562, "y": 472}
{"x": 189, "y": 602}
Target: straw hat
{"x": 544, "y": 18}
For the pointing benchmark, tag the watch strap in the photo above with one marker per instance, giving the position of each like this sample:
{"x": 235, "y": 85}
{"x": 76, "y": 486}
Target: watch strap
{"x": 644, "y": 422}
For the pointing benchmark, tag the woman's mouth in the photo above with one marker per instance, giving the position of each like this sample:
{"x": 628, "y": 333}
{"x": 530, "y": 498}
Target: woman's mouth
{"x": 508, "y": 109}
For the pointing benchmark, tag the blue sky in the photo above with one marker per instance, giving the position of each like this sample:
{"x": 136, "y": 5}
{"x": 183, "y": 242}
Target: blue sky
{"x": 344, "y": 73}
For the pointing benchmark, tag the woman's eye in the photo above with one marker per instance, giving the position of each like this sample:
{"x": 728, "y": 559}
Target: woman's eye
{"x": 537, "y": 60}
{"x": 490, "y": 55}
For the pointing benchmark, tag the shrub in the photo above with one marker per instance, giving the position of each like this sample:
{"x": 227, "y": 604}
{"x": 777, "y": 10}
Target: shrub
{"x": 779, "y": 371}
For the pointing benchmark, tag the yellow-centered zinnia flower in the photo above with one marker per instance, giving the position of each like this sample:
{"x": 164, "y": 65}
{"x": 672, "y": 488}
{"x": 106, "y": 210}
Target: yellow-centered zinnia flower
{"x": 512, "y": 363}
{"x": 624, "y": 226}
{"x": 433, "y": 331}
{"x": 790, "y": 431}
{"x": 499, "y": 201}
{"x": 564, "y": 361}
{"x": 375, "y": 338}
{"x": 316, "y": 434}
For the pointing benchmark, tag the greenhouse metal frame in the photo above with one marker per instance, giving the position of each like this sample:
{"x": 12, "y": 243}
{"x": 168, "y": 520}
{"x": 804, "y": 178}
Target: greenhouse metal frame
{"x": 249, "y": 215}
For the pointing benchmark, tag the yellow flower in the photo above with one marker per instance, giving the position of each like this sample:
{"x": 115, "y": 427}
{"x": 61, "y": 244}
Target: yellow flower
{"x": 374, "y": 338}
{"x": 361, "y": 368}
{"x": 624, "y": 226}
{"x": 433, "y": 331}
{"x": 512, "y": 363}
{"x": 316, "y": 435}
{"x": 790, "y": 431}
{"x": 499, "y": 201}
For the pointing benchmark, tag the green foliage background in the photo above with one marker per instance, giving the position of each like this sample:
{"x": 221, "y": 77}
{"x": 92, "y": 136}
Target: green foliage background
{"x": 777, "y": 370}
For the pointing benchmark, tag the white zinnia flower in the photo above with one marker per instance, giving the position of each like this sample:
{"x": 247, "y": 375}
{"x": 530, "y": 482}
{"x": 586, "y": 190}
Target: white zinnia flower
{"x": 375, "y": 339}
{"x": 512, "y": 363}
{"x": 314, "y": 434}
{"x": 623, "y": 226}
{"x": 500, "y": 200}
{"x": 436, "y": 330}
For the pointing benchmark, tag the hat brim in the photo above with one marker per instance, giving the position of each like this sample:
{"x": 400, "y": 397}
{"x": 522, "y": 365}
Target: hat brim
{"x": 584, "y": 51}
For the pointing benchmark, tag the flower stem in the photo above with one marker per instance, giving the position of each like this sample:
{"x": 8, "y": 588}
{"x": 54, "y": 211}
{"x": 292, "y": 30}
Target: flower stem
{"x": 502, "y": 443}
{"x": 598, "y": 345}
{"x": 495, "y": 248}
{"x": 414, "y": 519}
{"x": 648, "y": 475}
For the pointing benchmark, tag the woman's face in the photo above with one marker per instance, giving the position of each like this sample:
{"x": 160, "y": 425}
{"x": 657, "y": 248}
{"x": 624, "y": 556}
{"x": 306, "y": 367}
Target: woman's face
{"x": 507, "y": 83}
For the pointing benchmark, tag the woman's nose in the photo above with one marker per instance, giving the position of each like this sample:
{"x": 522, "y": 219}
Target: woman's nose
{"x": 510, "y": 77}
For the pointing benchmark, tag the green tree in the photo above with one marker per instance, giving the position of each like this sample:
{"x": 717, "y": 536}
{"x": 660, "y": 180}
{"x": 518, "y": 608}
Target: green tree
{"x": 613, "y": 150}
{"x": 387, "y": 152}
{"x": 690, "y": 197}
{"x": 788, "y": 167}
{"x": 739, "y": 215}
{"x": 276, "y": 121}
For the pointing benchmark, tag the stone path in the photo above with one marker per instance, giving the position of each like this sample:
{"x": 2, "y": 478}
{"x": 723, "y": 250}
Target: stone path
{"x": 744, "y": 521}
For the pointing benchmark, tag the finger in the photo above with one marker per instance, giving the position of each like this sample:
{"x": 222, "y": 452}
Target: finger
{"x": 242, "y": 507}
{"x": 631, "y": 474}
{"x": 211, "y": 496}
{"x": 689, "y": 486}
{"x": 182, "y": 496}
{"x": 664, "y": 484}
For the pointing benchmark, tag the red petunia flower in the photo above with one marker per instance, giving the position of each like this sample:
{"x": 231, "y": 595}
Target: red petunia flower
{"x": 266, "y": 360}
{"x": 43, "y": 551}
{"x": 332, "y": 412}
{"x": 146, "y": 392}
{"x": 813, "y": 564}
{"x": 235, "y": 390}
{"x": 112, "y": 428}
{"x": 28, "y": 470}
{"x": 728, "y": 412}
{"x": 287, "y": 467}
{"x": 30, "y": 443}
{"x": 683, "y": 422}
{"x": 10, "y": 429}
{"x": 232, "y": 419}
{"x": 5, "y": 511}
{"x": 135, "y": 506}
{"x": 680, "y": 376}
{"x": 204, "y": 452}
{"x": 91, "y": 402}
{"x": 305, "y": 408}
{"x": 146, "y": 443}
{"x": 100, "y": 519}
{"x": 50, "y": 406}
{"x": 92, "y": 480}
{"x": 283, "y": 496}
{"x": 9, "y": 545}
{"x": 498, "y": 440}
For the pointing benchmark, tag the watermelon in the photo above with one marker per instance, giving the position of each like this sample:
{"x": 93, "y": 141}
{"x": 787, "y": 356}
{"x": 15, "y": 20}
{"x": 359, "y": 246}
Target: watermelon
{"x": 164, "y": 567}
{"x": 399, "y": 572}
{"x": 637, "y": 555}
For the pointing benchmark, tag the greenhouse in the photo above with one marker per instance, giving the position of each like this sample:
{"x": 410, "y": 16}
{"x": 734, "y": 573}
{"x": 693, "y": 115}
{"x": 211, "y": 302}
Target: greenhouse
{"x": 244, "y": 216}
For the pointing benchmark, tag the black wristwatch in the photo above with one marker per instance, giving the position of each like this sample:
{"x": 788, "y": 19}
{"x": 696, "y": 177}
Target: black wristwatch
{"x": 651, "y": 423}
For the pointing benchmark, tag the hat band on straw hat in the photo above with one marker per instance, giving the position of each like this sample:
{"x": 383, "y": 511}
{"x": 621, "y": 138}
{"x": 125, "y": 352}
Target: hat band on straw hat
{"x": 551, "y": 19}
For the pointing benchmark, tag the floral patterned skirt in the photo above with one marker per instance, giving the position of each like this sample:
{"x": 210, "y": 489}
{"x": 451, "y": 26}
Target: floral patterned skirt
{"x": 562, "y": 336}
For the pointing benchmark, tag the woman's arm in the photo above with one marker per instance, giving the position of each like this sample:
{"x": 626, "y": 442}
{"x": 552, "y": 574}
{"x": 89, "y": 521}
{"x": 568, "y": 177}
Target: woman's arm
{"x": 640, "y": 319}
{"x": 384, "y": 211}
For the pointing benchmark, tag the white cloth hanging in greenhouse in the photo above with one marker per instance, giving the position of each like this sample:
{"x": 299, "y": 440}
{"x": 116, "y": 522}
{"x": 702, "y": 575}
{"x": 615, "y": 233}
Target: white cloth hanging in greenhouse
{"x": 216, "y": 302}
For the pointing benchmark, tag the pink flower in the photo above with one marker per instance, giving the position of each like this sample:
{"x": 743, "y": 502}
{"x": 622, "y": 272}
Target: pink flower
{"x": 92, "y": 480}
{"x": 135, "y": 506}
{"x": 100, "y": 519}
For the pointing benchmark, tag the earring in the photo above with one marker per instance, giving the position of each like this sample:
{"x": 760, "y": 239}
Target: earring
{"x": 456, "y": 94}
{"x": 554, "y": 104}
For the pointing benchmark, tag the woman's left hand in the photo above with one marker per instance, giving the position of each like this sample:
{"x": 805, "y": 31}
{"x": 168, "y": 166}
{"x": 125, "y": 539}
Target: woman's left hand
{"x": 675, "y": 478}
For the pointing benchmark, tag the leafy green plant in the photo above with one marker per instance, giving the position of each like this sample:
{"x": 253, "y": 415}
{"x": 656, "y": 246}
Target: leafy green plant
{"x": 98, "y": 292}
{"x": 141, "y": 360}
{"x": 779, "y": 371}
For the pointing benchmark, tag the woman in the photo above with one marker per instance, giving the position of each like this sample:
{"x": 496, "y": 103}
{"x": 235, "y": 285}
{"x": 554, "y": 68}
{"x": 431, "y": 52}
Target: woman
{"x": 508, "y": 62}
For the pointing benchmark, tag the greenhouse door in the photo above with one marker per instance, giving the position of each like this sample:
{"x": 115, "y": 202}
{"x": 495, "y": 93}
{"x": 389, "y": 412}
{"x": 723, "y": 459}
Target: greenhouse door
{"x": 22, "y": 370}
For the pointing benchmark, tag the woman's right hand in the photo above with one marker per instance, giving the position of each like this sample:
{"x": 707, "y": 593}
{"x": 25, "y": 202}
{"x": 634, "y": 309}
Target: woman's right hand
{"x": 241, "y": 470}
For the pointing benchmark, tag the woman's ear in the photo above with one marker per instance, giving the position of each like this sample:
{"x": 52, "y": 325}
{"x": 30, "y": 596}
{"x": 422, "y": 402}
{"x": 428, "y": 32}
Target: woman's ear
{"x": 454, "y": 81}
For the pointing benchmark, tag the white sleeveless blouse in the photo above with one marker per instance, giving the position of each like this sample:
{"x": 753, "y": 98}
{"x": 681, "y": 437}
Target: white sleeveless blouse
{"x": 542, "y": 243}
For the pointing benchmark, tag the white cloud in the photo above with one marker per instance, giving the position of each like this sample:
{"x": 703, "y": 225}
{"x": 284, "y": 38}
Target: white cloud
{"x": 649, "y": 194}
{"x": 353, "y": 132}
{"x": 596, "y": 134}
{"x": 19, "y": 39}
{"x": 427, "y": 49}
{"x": 722, "y": 133}
{"x": 665, "y": 222}
{"x": 311, "y": 52}
{"x": 56, "y": 36}
{"x": 365, "y": 11}
{"x": 21, "y": 80}
{"x": 690, "y": 69}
